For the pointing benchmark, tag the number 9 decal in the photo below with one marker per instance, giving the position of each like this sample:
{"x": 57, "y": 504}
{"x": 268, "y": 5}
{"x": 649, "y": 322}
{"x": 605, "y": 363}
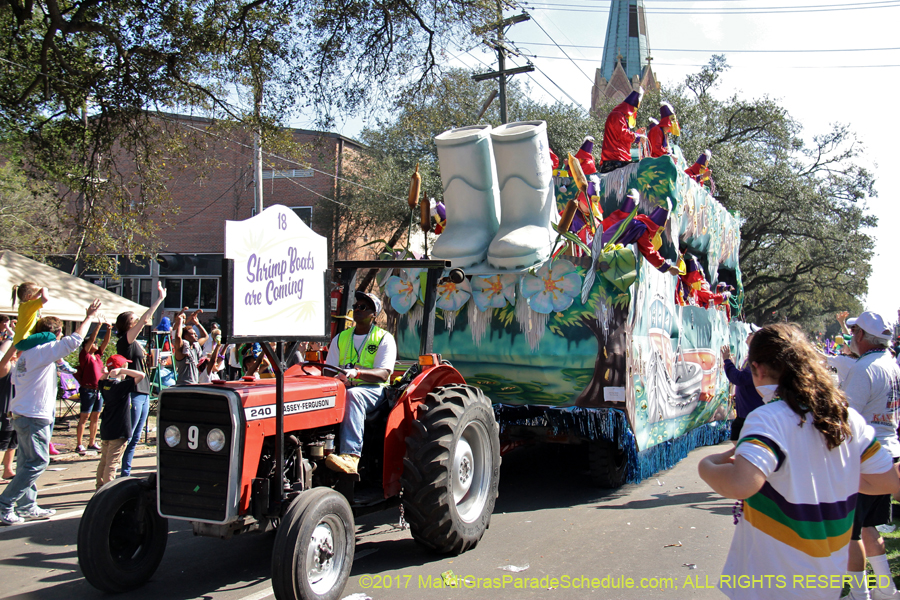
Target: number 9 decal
{"x": 193, "y": 437}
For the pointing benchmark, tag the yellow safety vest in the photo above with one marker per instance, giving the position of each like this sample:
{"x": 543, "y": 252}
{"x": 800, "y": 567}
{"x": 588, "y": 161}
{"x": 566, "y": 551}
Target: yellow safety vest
{"x": 364, "y": 356}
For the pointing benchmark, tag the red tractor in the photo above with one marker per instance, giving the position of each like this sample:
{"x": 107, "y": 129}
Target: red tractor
{"x": 237, "y": 457}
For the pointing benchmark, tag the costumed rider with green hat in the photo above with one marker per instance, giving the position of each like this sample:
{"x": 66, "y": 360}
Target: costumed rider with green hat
{"x": 368, "y": 354}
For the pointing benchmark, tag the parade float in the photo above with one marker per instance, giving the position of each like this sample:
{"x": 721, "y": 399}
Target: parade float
{"x": 575, "y": 336}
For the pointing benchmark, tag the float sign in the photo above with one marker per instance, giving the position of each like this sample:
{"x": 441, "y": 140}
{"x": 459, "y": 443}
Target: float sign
{"x": 278, "y": 279}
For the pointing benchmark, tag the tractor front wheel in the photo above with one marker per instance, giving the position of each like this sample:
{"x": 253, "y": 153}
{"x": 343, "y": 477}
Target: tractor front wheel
{"x": 314, "y": 546}
{"x": 121, "y": 537}
{"x": 452, "y": 469}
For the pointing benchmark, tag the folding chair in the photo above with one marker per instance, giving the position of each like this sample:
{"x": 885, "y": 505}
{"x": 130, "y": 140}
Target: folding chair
{"x": 68, "y": 398}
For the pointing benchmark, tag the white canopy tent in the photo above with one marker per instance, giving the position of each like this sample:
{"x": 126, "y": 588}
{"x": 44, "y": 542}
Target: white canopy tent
{"x": 69, "y": 295}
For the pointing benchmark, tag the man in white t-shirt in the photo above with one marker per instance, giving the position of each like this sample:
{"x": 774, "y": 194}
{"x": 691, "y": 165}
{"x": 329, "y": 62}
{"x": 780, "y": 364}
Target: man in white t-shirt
{"x": 872, "y": 388}
{"x": 368, "y": 354}
{"x": 32, "y": 412}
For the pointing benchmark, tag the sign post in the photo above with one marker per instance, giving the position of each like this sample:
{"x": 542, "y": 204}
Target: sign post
{"x": 276, "y": 290}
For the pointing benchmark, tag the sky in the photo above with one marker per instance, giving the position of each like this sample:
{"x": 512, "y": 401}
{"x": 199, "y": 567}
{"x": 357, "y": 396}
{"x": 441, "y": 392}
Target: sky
{"x": 858, "y": 88}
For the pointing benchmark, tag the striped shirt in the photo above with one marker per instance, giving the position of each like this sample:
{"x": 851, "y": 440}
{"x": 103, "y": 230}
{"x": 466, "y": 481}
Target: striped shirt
{"x": 799, "y": 523}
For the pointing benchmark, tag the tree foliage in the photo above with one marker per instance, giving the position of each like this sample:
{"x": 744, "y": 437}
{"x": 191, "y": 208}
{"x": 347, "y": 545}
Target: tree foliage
{"x": 82, "y": 80}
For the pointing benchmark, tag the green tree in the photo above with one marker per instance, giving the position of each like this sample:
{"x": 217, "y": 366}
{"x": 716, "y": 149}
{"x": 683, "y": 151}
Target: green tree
{"x": 82, "y": 81}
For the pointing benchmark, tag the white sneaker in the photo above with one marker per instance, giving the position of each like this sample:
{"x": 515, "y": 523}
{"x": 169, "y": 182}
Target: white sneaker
{"x": 36, "y": 513}
{"x": 887, "y": 593}
{"x": 10, "y": 518}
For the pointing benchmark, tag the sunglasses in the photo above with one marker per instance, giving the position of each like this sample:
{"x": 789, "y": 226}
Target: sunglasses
{"x": 358, "y": 307}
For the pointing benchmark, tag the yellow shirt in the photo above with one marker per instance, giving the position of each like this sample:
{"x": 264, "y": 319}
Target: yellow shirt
{"x": 29, "y": 313}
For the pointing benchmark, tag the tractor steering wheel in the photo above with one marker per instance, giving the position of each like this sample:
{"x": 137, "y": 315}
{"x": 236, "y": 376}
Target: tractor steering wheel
{"x": 324, "y": 367}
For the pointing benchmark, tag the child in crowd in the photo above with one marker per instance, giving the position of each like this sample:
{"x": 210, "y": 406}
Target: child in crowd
{"x": 211, "y": 367}
{"x": 801, "y": 461}
{"x": 116, "y": 387}
{"x": 89, "y": 374}
{"x": 31, "y": 299}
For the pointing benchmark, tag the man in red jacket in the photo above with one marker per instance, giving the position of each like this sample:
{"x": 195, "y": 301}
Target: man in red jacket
{"x": 699, "y": 171}
{"x": 618, "y": 135}
{"x": 659, "y": 133}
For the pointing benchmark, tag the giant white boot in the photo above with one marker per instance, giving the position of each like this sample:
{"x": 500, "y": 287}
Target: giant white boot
{"x": 527, "y": 197}
{"x": 471, "y": 195}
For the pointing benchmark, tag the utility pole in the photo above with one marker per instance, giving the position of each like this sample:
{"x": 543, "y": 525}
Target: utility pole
{"x": 502, "y": 50}
{"x": 257, "y": 148}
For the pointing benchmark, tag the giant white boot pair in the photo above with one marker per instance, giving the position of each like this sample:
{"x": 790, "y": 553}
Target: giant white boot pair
{"x": 499, "y": 195}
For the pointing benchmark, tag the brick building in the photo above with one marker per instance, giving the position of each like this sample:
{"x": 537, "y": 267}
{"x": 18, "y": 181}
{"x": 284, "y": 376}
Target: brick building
{"x": 192, "y": 245}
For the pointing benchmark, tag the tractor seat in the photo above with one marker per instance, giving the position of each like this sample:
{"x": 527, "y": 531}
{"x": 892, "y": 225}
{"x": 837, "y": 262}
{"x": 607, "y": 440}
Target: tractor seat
{"x": 380, "y": 413}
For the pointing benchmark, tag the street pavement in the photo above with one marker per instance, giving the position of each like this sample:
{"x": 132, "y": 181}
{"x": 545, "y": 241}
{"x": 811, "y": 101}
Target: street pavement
{"x": 669, "y": 534}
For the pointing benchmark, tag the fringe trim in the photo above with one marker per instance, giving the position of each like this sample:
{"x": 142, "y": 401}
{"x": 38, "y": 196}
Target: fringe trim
{"x": 478, "y": 322}
{"x": 615, "y": 183}
{"x": 610, "y": 424}
{"x": 532, "y": 324}
{"x": 414, "y": 318}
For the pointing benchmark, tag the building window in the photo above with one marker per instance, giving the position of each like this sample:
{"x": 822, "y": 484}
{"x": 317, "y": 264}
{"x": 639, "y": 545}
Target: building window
{"x": 192, "y": 292}
{"x": 305, "y": 213}
{"x": 633, "y": 21}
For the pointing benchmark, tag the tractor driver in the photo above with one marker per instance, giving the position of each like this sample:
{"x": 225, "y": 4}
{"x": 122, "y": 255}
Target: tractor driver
{"x": 367, "y": 353}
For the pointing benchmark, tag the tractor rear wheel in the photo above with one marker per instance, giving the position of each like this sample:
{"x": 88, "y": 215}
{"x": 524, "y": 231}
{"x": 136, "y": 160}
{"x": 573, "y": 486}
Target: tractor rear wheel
{"x": 452, "y": 469}
{"x": 121, "y": 537}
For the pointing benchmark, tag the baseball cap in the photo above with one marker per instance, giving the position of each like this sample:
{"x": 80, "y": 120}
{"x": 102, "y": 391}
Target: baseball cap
{"x": 371, "y": 298}
{"x": 116, "y": 361}
{"x": 871, "y": 323}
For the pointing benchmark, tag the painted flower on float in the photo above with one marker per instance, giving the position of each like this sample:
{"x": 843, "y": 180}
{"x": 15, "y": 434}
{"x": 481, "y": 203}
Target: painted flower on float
{"x": 494, "y": 291}
{"x": 553, "y": 288}
{"x": 403, "y": 290}
{"x": 452, "y": 296}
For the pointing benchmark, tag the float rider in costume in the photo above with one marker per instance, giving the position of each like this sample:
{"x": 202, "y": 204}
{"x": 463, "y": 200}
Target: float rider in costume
{"x": 643, "y": 230}
{"x": 618, "y": 134}
{"x": 367, "y": 353}
{"x": 658, "y": 135}
{"x": 699, "y": 171}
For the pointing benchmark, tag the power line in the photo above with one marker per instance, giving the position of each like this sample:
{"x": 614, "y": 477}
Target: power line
{"x": 717, "y": 11}
{"x": 222, "y": 195}
{"x": 721, "y": 51}
{"x": 733, "y": 66}
{"x": 536, "y": 22}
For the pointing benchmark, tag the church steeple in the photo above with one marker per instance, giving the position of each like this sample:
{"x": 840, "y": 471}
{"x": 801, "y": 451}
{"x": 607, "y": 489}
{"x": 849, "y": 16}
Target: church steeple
{"x": 626, "y": 35}
{"x": 626, "y": 55}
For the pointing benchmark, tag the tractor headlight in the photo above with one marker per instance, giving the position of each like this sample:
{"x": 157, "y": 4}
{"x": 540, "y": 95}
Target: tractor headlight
{"x": 215, "y": 439}
{"x": 173, "y": 436}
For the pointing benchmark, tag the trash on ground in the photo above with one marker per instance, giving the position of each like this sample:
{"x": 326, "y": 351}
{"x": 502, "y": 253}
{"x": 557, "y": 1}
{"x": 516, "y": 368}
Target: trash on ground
{"x": 678, "y": 545}
{"x": 689, "y": 565}
{"x": 357, "y": 596}
{"x": 514, "y": 568}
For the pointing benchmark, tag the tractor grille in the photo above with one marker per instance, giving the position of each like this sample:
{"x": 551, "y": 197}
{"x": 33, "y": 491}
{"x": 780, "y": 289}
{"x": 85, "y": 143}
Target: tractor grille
{"x": 196, "y": 482}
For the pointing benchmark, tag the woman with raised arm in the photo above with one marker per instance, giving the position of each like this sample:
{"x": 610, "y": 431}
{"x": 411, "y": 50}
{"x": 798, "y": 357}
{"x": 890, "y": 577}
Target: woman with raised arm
{"x": 800, "y": 462}
{"x": 128, "y": 327}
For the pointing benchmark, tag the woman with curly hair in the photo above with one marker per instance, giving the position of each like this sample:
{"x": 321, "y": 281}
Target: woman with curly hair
{"x": 800, "y": 462}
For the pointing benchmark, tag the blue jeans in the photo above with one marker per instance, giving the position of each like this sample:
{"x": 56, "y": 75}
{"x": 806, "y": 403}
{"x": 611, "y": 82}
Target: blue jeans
{"x": 361, "y": 400}
{"x": 31, "y": 460}
{"x": 140, "y": 406}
